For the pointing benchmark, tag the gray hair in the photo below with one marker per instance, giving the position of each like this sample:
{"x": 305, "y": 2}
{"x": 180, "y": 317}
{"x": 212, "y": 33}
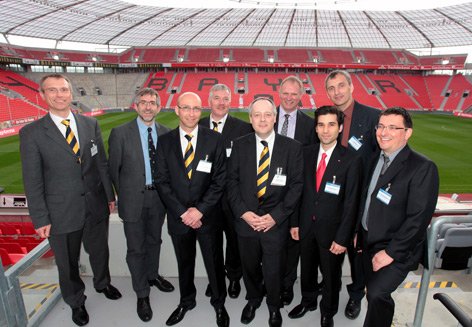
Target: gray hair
{"x": 251, "y": 105}
{"x": 218, "y": 87}
{"x": 56, "y": 76}
{"x": 295, "y": 80}
{"x": 146, "y": 91}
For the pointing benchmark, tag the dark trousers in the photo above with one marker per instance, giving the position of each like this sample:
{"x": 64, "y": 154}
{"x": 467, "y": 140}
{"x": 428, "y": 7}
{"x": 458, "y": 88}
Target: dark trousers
{"x": 66, "y": 247}
{"x": 291, "y": 257}
{"x": 185, "y": 252}
{"x": 310, "y": 260}
{"x": 143, "y": 240}
{"x": 331, "y": 268}
{"x": 229, "y": 264}
{"x": 356, "y": 289}
{"x": 261, "y": 259}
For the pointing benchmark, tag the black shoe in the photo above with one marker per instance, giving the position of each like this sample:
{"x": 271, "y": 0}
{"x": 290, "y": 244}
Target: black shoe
{"x": 110, "y": 292}
{"x": 162, "y": 284}
{"x": 178, "y": 315}
{"x": 248, "y": 314}
{"x": 275, "y": 319}
{"x": 300, "y": 310}
{"x": 144, "y": 309}
{"x": 208, "y": 291}
{"x": 327, "y": 321}
{"x": 80, "y": 316}
{"x": 353, "y": 308}
{"x": 222, "y": 317}
{"x": 234, "y": 288}
{"x": 287, "y": 296}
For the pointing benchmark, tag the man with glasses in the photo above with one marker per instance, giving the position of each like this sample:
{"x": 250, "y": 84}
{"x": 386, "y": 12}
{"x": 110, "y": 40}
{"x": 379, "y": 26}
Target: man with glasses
{"x": 398, "y": 202}
{"x": 133, "y": 163}
{"x": 358, "y": 136}
{"x": 230, "y": 129}
{"x": 265, "y": 180}
{"x": 190, "y": 180}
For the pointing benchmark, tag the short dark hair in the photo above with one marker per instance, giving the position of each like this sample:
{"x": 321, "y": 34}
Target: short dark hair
{"x": 400, "y": 112}
{"x": 57, "y": 76}
{"x": 325, "y": 110}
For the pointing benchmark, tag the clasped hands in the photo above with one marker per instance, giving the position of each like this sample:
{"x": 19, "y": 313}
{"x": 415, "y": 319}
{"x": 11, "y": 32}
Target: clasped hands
{"x": 258, "y": 223}
{"x": 192, "y": 218}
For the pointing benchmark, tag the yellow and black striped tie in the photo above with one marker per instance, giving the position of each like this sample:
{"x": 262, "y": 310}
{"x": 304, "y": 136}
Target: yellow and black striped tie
{"x": 263, "y": 171}
{"x": 70, "y": 137}
{"x": 188, "y": 156}
{"x": 215, "y": 126}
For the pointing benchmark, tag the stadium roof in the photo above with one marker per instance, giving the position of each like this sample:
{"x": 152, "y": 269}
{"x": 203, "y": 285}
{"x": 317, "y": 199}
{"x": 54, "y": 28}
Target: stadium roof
{"x": 118, "y": 23}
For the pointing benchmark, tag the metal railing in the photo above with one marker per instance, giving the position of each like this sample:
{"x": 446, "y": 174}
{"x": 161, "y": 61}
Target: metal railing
{"x": 12, "y": 306}
{"x": 426, "y": 277}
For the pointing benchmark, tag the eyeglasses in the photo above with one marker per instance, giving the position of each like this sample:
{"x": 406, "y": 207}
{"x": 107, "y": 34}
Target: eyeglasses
{"x": 389, "y": 128}
{"x": 188, "y": 108}
{"x": 147, "y": 103}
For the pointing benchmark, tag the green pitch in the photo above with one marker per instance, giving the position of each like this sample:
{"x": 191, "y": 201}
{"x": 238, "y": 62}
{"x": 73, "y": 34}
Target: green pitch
{"x": 443, "y": 138}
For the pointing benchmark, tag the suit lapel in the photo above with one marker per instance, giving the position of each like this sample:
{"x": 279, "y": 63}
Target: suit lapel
{"x": 396, "y": 165}
{"x": 84, "y": 136}
{"x": 228, "y": 127}
{"x": 178, "y": 150}
{"x": 53, "y": 132}
{"x": 135, "y": 139}
{"x": 275, "y": 162}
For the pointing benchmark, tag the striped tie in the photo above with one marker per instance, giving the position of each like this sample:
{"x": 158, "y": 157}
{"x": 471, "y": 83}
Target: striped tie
{"x": 263, "y": 171}
{"x": 70, "y": 137}
{"x": 215, "y": 125}
{"x": 188, "y": 156}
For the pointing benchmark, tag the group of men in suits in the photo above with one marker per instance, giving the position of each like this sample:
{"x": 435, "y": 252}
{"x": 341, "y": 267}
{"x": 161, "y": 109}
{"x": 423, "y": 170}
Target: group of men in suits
{"x": 283, "y": 187}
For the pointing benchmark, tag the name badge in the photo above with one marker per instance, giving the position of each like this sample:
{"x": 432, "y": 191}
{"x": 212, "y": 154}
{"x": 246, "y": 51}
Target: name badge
{"x": 355, "y": 142}
{"x": 93, "y": 149}
{"x": 204, "y": 166}
{"x": 384, "y": 196}
{"x": 228, "y": 150}
{"x": 279, "y": 179}
{"x": 332, "y": 188}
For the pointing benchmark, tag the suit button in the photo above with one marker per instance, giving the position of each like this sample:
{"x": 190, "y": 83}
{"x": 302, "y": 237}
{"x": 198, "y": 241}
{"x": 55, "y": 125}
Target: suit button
{"x": 142, "y": 191}
{"x": 83, "y": 194}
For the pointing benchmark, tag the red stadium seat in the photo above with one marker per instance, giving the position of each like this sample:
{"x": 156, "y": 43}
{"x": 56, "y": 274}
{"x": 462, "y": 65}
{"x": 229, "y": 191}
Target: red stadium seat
{"x": 9, "y": 259}
{"x": 13, "y": 248}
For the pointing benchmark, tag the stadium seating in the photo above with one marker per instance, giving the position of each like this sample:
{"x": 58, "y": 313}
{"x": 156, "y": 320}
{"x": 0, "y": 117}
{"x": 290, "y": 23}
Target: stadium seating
{"x": 454, "y": 251}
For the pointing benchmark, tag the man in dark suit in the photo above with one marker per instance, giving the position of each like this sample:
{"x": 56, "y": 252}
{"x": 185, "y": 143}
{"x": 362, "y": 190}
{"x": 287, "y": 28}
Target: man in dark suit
{"x": 69, "y": 191}
{"x": 328, "y": 214}
{"x": 358, "y": 136}
{"x": 398, "y": 202}
{"x": 295, "y": 124}
{"x": 264, "y": 186}
{"x": 133, "y": 169}
{"x": 190, "y": 180}
{"x": 230, "y": 129}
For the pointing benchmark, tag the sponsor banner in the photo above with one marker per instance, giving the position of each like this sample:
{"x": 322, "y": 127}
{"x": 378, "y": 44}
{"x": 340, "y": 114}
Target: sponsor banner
{"x": 128, "y": 65}
{"x": 94, "y": 113}
{"x": 23, "y": 120}
{"x": 81, "y": 64}
{"x": 10, "y": 131}
{"x": 463, "y": 114}
{"x": 30, "y": 61}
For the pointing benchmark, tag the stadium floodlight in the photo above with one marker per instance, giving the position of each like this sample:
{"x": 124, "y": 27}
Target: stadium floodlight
{"x": 271, "y": 60}
{"x": 180, "y": 59}
{"x": 225, "y": 59}
{"x": 445, "y": 61}
{"x": 55, "y": 56}
{"x": 94, "y": 58}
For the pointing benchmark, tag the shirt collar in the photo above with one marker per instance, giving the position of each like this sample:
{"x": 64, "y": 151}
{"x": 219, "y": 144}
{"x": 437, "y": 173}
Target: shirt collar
{"x": 221, "y": 121}
{"x": 193, "y": 133}
{"x": 348, "y": 111}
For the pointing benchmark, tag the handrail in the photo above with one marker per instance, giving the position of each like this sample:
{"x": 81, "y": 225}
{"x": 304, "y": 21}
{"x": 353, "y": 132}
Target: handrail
{"x": 16, "y": 304}
{"x": 426, "y": 276}
{"x": 454, "y": 309}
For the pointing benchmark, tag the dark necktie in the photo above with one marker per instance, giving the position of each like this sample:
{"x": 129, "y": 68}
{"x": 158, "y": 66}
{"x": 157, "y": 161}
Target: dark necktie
{"x": 320, "y": 171}
{"x": 385, "y": 164}
{"x": 263, "y": 171}
{"x": 70, "y": 137}
{"x": 152, "y": 155}
{"x": 188, "y": 156}
{"x": 284, "y": 130}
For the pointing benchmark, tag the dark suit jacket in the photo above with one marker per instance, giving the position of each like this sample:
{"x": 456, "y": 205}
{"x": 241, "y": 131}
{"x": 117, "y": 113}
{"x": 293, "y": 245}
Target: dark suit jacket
{"x": 126, "y": 164}
{"x": 280, "y": 201}
{"x": 60, "y": 189}
{"x": 363, "y": 123}
{"x": 179, "y": 193}
{"x": 333, "y": 216}
{"x": 399, "y": 228}
{"x": 304, "y": 130}
{"x": 233, "y": 129}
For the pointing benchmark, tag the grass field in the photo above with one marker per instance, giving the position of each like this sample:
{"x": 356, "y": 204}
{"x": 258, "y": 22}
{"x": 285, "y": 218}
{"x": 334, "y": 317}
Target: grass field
{"x": 443, "y": 138}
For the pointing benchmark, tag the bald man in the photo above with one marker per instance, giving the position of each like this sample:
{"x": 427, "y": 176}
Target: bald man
{"x": 190, "y": 181}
